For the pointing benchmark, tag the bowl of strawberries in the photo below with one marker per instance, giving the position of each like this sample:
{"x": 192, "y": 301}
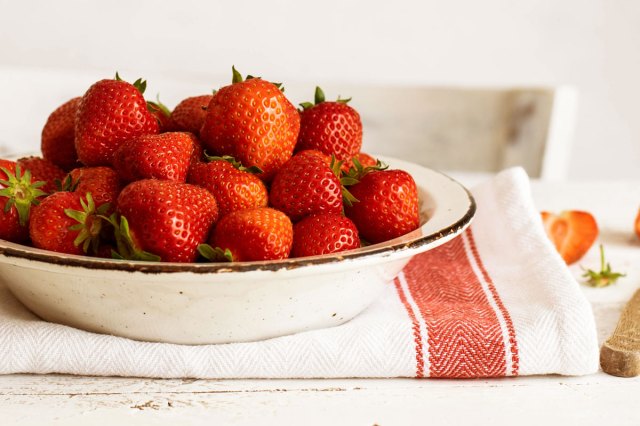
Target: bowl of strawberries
{"x": 234, "y": 217}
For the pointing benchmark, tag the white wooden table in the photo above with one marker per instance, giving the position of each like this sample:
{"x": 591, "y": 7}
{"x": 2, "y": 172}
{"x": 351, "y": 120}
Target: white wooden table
{"x": 595, "y": 399}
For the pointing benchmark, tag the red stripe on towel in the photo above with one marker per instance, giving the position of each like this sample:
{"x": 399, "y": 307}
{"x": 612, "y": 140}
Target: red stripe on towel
{"x": 513, "y": 344}
{"x": 464, "y": 334}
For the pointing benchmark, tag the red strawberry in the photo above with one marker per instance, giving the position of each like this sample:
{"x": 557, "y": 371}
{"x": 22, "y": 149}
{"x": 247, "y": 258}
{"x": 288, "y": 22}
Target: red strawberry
{"x": 331, "y": 127}
{"x": 163, "y": 116}
{"x": 58, "y": 136}
{"x": 324, "y": 233}
{"x": 234, "y": 187}
{"x": 573, "y": 232}
{"x": 111, "y": 112}
{"x": 9, "y": 165}
{"x": 250, "y": 235}
{"x": 18, "y": 194}
{"x": 306, "y": 185}
{"x": 102, "y": 182}
{"x": 166, "y": 218}
{"x": 253, "y": 122}
{"x": 43, "y": 170}
{"x": 64, "y": 222}
{"x": 164, "y": 156}
{"x": 189, "y": 114}
{"x": 387, "y": 207}
{"x": 636, "y": 224}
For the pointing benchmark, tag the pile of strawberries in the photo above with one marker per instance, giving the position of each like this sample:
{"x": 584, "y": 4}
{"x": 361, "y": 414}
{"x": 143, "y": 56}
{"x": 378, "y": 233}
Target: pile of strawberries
{"x": 237, "y": 175}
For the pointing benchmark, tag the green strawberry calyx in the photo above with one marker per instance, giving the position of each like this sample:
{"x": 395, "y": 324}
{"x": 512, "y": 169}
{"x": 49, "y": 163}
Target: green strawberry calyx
{"x": 158, "y": 106}
{"x": 67, "y": 185}
{"x": 21, "y": 192}
{"x": 139, "y": 84}
{"x": 605, "y": 276}
{"x": 319, "y": 98}
{"x": 215, "y": 254}
{"x": 127, "y": 248}
{"x": 235, "y": 163}
{"x": 90, "y": 222}
{"x": 336, "y": 168}
{"x": 357, "y": 171}
{"x": 237, "y": 78}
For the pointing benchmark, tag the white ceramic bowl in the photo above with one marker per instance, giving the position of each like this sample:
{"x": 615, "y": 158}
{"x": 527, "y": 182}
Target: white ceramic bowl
{"x": 228, "y": 302}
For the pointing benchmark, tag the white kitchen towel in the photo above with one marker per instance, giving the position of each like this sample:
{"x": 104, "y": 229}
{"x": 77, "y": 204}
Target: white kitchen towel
{"x": 496, "y": 301}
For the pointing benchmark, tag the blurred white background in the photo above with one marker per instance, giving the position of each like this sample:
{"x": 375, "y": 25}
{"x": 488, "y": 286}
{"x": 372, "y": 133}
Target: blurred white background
{"x": 592, "y": 45}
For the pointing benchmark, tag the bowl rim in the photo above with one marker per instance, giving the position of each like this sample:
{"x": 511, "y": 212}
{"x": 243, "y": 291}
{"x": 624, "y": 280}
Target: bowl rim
{"x": 404, "y": 243}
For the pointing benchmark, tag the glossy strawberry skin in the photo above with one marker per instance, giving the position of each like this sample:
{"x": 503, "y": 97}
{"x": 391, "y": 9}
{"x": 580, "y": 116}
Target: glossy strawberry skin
{"x": 190, "y": 113}
{"x": 233, "y": 189}
{"x": 332, "y": 128}
{"x": 306, "y": 185}
{"x": 387, "y": 207}
{"x": 254, "y": 234}
{"x": 165, "y": 156}
{"x": 58, "y": 136}
{"x": 324, "y": 233}
{"x": 168, "y": 218}
{"x": 110, "y": 113}
{"x": 44, "y": 170}
{"x": 102, "y": 182}
{"x": 254, "y": 122}
{"x": 10, "y": 228}
{"x": 49, "y": 225}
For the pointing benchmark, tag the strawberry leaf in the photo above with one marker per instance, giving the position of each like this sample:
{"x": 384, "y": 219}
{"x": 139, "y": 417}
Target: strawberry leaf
{"x": 235, "y": 163}
{"x": 236, "y": 76}
{"x": 215, "y": 254}
{"x": 89, "y": 226}
{"x": 318, "y": 96}
{"x": 605, "y": 276}
{"x": 21, "y": 192}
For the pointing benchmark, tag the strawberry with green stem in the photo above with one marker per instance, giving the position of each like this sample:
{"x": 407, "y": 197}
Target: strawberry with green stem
{"x": 306, "y": 184}
{"x": 111, "y": 112}
{"x": 17, "y": 197}
{"x": 252, "y": 121}
{"x": 605, "y": 276}
{"x": 234, "y": 186}
{"x": 66, "y": 222}
{"x": 333, "y": 128}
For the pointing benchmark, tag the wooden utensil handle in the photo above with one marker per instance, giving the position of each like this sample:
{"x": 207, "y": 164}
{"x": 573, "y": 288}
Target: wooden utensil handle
{"x": 620, "y": 355}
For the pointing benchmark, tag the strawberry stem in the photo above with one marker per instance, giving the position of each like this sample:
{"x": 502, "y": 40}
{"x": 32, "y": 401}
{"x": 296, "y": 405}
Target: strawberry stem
{"x": 605, "y": 276}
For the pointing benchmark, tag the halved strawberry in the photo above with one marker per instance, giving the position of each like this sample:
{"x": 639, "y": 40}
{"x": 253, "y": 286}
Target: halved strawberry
{"x": 572, "y": 232}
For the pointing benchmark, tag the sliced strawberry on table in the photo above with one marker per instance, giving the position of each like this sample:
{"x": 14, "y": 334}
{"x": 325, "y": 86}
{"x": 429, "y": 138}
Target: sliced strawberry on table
{"x": 103, "y": 183}
{"x": 190, "y": 113}
{"x": 67, "y": 222}
{"x": 387, "y": 204}
{"x": 166, "y": 218}
{"x": 250, "y": 235}
{"x": 333, "y": 128}
{"x": 58, "y": 136}
{"x": 234, "y": 186}
{"x": 252, "y": 121}
{"x": 43, "y": 170}
{"x": 18, "y": 195}
{"x": 572, "y": 232}
{"x": 324, "y": 233}
{"x": 110, "y": 113}
{"x": 305, "y": 185}
{"x": 165, "y": 156}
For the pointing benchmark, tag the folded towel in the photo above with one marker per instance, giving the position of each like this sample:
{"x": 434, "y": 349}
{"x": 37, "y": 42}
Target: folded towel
{"x": 496, "y": 301}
